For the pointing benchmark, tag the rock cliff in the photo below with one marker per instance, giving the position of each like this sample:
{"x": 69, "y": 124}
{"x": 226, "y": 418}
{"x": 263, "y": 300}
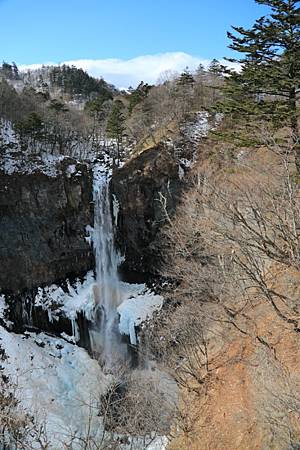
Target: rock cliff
{"x": 42, "y": 228}
{"x": 146, "y": 189}
{"x": 43, "y": 222}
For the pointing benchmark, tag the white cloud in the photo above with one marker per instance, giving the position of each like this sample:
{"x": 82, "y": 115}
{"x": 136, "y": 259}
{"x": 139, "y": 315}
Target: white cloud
{"x": 124, "y": 73}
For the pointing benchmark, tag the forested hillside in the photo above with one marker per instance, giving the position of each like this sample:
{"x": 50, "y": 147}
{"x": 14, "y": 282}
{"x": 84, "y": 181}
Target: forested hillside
{"x": 58, "y": 105}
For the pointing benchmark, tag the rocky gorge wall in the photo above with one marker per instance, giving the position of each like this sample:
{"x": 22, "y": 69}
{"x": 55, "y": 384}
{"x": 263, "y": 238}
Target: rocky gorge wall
{"x": 147, "y": 189}
{"x": 46, "y": 206}
{"x": 43, "y": 230}
{"x": 43, "y": 227}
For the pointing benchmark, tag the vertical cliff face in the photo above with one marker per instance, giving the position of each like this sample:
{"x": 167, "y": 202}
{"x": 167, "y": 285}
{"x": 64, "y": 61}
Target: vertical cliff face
{"x": 147, "y": 189}
{"x": 43, "y": 224}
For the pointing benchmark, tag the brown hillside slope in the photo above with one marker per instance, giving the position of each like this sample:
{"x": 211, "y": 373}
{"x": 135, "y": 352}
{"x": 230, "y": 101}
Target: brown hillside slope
{"x": 243, "y": 391}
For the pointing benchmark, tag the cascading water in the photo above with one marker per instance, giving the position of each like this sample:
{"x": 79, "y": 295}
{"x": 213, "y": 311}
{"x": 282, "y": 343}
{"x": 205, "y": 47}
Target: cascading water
{"x": 105, "y": 336}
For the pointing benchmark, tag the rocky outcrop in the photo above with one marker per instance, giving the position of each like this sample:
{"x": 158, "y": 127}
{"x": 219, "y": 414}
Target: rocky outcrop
{"x": 43, "y": 223}
{"x": 147, "y": 189}
{"x": 24, "y": 315}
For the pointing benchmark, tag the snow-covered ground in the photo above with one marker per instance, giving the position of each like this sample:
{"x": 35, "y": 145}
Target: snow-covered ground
{"x": 60, "y": 386}
{"x": 195, "y": 130}
{"x": 192, "y": 132}
{"x": 14, "y": 159}
{"x": 41, "y": 157}
{"x": 57, "y": 382}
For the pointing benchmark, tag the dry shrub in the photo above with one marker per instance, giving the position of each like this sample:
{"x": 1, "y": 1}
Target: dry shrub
{"x": 234, "y": 233}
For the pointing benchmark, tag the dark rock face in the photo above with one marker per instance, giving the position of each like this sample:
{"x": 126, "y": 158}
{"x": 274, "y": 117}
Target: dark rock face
{"x": 25, "y": 315}
{"x": 147, "y": 187}
{"x": 42, "y": 228}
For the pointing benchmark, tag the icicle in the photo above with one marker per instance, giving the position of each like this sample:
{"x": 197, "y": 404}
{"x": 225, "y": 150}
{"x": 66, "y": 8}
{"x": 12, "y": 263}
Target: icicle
{"x": 75, "y": 331}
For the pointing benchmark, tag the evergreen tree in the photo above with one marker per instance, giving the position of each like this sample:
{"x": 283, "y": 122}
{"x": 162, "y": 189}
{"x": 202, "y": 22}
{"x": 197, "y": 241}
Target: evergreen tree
{"x": 31, "y": 126}
{"x": 95, "y": 108}
{"x": 15, "y": 71}
{"x": 200, "y": 69}
{"x": 200, "y": 73}
{"x": 186, "y": 78}
{"x": 216, "y": 68}
{"x": 183, "y": 93}
{"x": 116, "y": 124}
{"x": 7, "y": 71}
{"x": 75, "y": 81}
{"x": 268, "y": 84}
{"x": 138, "y": 95}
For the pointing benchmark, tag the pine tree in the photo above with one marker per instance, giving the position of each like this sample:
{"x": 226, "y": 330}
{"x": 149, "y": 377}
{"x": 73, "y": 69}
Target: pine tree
{"x": 31, "y": 126}
{"x": 7, "y": 70}
{"x": 95, "y": 108}
{"x": 15, "y": 71}
{"x": 138, "y": 95}
{"x": 216, "y": 68}
{"x": 75, "y": 81}
{"x": 116, "y": 124}
{"x": 186, "y": 78}
{"x": 267, "y": 86}
{"x": 200, "y": 69}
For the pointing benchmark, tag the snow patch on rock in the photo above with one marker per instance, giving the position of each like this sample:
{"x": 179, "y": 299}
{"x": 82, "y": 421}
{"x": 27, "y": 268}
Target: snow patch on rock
{"x": 136, "y": 310}
{"x": 75, "y": 298}
{"x": 3, "y": 306}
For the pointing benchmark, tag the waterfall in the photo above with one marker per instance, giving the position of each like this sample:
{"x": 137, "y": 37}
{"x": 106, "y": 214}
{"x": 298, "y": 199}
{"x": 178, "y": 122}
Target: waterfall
{"x": 106, "y": 340}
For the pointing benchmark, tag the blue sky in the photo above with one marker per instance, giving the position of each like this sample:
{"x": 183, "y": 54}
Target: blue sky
{"x": 41, "y": 31}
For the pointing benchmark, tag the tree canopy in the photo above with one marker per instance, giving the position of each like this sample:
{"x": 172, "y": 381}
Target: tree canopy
{"x": 267, "y": 86}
